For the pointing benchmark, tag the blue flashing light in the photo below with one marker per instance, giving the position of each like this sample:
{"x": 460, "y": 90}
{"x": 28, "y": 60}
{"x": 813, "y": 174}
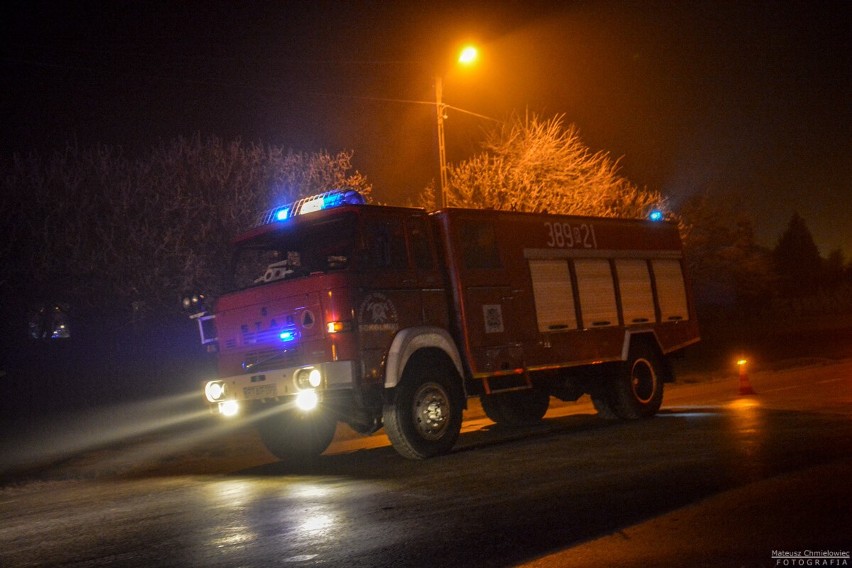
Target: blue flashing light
{"x": 656, "y": 215}
{"x": 288, "y": 335}
{"x": 282, "y": 214}
{"x": 327, "y": 200}
{"x": 339, "y": 198}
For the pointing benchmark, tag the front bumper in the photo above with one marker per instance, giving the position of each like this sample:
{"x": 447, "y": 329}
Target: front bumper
{"x": 278, "y": 384}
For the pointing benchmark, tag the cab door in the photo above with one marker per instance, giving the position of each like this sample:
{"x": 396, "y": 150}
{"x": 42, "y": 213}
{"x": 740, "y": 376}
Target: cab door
{"x": 429, "y": 279}
{"x": 388, "y": 298}
{"x": 491, "y": 305}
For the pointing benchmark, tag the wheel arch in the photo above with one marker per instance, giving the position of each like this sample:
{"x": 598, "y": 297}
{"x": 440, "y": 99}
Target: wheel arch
{"x": 426, "y": 340}
{"x": 649, "y": 339}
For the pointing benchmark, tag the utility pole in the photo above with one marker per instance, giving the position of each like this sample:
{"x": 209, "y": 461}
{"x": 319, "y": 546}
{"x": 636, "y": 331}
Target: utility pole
{"x": 442, "y": 149}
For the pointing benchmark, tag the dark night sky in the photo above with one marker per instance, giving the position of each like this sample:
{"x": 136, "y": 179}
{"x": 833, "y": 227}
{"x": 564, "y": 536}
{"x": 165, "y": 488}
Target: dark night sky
{"x": 746, "y": 97}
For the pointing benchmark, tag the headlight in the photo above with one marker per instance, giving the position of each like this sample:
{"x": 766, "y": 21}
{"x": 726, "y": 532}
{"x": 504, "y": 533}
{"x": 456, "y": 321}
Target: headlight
{"x": 309, "y": 378}
{"x": 307, "y": 399}
{"x": 214, "y": 391}
{"x": 314, "y": 378}
{"x": 229, "y": 408}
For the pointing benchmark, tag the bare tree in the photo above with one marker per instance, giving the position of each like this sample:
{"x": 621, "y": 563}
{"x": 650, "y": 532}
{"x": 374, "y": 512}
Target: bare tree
{"x": 540, "y": 164}
{"x": 98, "y": 227}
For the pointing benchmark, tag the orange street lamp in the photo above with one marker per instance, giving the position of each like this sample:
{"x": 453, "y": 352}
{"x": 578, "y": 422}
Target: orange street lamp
{"x": 468, "y": 56}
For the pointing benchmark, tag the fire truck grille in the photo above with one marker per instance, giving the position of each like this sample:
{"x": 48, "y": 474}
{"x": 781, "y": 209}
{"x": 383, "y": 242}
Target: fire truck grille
{"x": 267, "y": 359}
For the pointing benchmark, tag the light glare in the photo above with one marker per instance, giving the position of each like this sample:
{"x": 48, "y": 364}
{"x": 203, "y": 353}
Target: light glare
{"x": 229, "y": 408}
{"x": 214, "y": 391}
{"x": 327, "y": 200}
{"x": 314, "y": 378}
{"x": 338, "y": 326}
{"x": 468, "y": 55}
{"x": 287, "y": 335}
{"x": 314, "y": 204}
{"x": 307, "y": 400}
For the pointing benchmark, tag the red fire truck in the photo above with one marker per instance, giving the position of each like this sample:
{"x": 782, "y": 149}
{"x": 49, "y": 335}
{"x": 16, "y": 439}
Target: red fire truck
{"x": 393, "y": 317}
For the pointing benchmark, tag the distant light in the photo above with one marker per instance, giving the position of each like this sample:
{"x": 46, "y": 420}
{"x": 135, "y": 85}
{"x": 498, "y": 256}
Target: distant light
{"x": 741, "y": 362}
{"x": 468, "y": 55}
{"x": 656, "y": 215}
{"x": 282, "y": 214}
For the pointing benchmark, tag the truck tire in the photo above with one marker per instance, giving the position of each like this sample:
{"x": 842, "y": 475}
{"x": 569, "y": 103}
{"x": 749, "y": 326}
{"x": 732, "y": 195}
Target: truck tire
{"x": 636, "y": 390}
{"x": 517, "y": 408}
{"x": 602, "y": 403}
{"x": 294, "y": 436}
{"x": 424, "y": 419}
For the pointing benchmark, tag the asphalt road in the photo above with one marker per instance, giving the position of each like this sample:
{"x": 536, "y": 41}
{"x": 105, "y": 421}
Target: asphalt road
{"x": 717, "y": 479}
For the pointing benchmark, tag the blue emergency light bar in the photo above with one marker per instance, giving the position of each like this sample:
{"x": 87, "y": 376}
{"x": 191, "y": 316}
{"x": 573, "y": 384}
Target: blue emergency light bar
{"x": 288, "y": 335}
{"x": 327, "y": 200}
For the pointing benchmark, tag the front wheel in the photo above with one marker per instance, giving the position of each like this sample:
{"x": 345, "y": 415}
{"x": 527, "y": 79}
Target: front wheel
{"x": 424, "y": 419}
{"x": 294, "y": 435}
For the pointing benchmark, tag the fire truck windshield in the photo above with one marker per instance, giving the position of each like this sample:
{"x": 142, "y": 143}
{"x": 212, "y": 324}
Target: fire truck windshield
{"x": 295, "y": 252}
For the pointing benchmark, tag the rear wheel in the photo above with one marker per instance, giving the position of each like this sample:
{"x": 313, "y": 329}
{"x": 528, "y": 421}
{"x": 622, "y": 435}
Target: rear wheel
{"x": 636, "y": 391}
{"x": 516, "y": 408}
{"x": 297, "y": 435}
{"x": 424, "y": 419}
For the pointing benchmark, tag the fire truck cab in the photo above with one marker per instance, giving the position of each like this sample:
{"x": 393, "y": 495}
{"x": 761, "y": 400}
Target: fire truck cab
{"x": 393, "y": 317}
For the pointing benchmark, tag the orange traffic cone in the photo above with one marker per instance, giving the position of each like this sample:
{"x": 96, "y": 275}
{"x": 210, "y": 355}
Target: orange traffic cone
{"x": 745, "y": 384}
